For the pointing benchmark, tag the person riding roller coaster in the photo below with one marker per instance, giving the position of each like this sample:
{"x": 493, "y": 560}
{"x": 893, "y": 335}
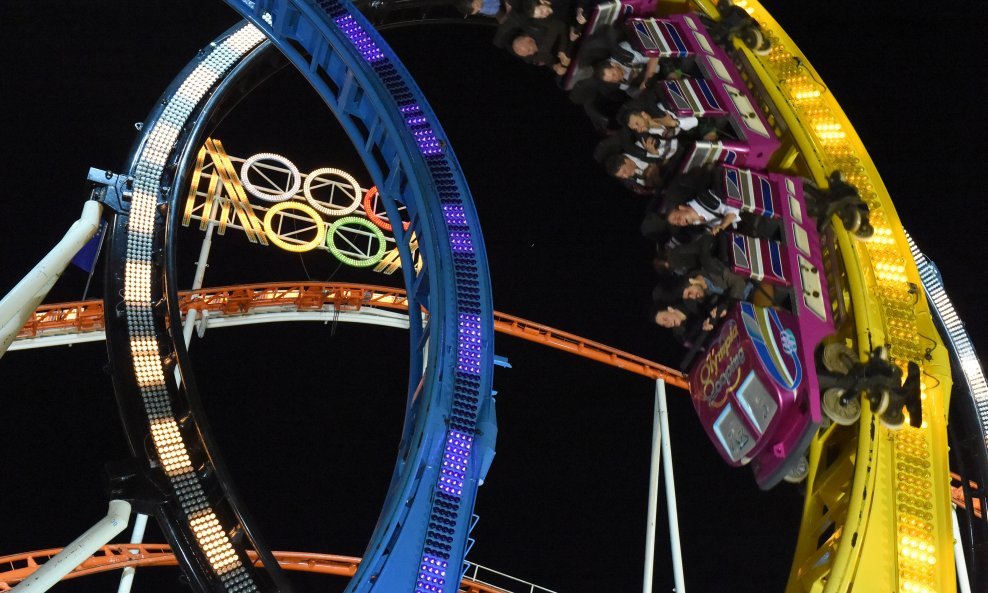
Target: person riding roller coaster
{"x": 534, "y": 32}
{"x": 692, "y": 200}
{"x": 543, "y": 44}
{"x": 490, "y": 8}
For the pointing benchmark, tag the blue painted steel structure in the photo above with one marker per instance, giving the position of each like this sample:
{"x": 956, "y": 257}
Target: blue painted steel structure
{"x": 448, "y": 437}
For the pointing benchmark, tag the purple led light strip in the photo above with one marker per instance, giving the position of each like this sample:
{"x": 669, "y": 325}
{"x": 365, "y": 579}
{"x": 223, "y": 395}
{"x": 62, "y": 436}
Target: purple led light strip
{"x": 456, "y": 453}
{"x": 360, "y": 39}
{"x": 469, "y": 344}
{"x": 456, "y": 456}
{"x": 421, "y": 130}
{"x": 432, "y": 574}
{"x": 454, "y": 215}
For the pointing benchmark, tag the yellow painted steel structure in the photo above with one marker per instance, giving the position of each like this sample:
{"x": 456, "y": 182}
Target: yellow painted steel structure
{"x": 877, "y": 516}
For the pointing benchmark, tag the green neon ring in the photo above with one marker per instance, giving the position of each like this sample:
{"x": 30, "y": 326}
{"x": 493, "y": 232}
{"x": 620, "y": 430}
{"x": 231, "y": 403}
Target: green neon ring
{"x": 356, "y": 263}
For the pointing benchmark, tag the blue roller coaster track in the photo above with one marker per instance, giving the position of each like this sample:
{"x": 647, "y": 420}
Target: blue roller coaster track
{"x": 448, "y": 437}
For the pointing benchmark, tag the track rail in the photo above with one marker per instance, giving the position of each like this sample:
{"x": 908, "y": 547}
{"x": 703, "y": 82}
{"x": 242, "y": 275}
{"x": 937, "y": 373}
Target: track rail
{"x": 448, "y": 437}
{"x": 86, "y": 317}
{"x": 877, "y": 514}
{"x": 17, "y": 567}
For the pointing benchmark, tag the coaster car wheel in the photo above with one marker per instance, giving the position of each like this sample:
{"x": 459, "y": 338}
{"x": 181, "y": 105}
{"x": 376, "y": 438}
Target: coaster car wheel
{"x": 842, "y": 410}
{"x": 838, "y": 358}
{"x": 865, "y": 230}
{"x": 893, "y": 418}
{"x": 799, "y": 472}
{"x": 850, "y": 216}
{"x": 880, "y": 402}
{"x": 755, "y": 40}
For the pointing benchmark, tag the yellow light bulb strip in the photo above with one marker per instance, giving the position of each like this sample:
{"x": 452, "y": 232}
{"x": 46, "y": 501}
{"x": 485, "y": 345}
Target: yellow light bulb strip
{"x": 893, "y": 313}
{"x": 236, "y": 196}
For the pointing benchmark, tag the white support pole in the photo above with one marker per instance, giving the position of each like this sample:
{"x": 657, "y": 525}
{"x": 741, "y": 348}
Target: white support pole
{"x": 677, "y": 552}
{"x": 19, "y": 304}
{"x": 653, "y": 494}
{"x": 963, "y": 582}
{"x": 202, "y": 264}
{"x": 78, "y": 551}
{"x": 136, "y": 537}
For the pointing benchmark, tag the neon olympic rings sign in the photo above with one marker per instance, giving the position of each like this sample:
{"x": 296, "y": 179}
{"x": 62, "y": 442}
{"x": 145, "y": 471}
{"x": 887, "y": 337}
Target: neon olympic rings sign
{"x": 299, "y": 205}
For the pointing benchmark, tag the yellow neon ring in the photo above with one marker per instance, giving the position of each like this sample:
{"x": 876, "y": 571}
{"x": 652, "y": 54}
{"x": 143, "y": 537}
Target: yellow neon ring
{"x": 278, "y": 241}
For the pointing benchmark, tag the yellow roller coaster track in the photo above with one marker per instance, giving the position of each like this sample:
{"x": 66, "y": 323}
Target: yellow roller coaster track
{"x": 877, "y": 515}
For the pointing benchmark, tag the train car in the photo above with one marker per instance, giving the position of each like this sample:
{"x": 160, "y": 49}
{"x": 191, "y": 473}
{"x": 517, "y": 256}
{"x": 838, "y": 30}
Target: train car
{"x": 772, "y": 373}
{"x": 754, "y": 383}
{"x": 717, "y": 91}
{"x": 755, "y": 388}
{"x": 713, "y": 87}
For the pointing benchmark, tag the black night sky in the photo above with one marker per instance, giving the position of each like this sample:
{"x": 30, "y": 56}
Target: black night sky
{"x": 309, "y": 415}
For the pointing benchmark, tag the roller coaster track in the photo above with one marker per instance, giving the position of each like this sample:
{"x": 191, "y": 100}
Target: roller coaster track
{"x": 450, "y": 428}
{"x": 65, "y": 323}
{"x": 877, "y": 510}
{"x": 877, "y": 515}
{"x": 83, "y": 321}
{"x": 17, "y": 567}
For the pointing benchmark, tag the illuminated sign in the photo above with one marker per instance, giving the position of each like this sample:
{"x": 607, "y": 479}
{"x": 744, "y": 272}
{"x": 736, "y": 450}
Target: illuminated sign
{"x": 720, "y": 373}
{"x": 299, "y": 212}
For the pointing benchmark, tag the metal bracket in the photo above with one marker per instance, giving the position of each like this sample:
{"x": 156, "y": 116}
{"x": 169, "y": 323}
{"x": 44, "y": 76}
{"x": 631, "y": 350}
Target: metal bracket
{"x": 131, "y": 480}
{"x": 111, "y": 189}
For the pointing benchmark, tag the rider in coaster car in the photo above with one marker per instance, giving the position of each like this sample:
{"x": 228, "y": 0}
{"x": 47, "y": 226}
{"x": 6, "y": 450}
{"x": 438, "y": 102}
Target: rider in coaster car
{"x": 689, "y": 319}
{"x": 692, "y": 199}
{"x": 638, "y": 175}
{"x": 559, "y": 10}
{"x": 542, "y": 40}
{"x": 495, "y": 9}
{"x": 617, "y": 63}
{"x": 648, "y": 114}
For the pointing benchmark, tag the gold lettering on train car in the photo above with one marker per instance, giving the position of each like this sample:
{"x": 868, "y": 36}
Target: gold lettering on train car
{"x": 720, "y": 373}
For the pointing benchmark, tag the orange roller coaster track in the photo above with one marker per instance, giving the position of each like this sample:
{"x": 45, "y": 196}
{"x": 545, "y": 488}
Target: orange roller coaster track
{"x": 17, "y": 567}
{"x": 87, "y": 316}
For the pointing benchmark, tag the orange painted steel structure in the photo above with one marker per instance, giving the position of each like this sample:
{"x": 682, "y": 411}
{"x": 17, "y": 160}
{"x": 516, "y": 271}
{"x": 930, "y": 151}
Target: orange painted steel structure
{"x": 543, "y": 334}
{"x": 17, "y": 567}
{"x": 86, "y": 316}
{"x": 957, "y": 494}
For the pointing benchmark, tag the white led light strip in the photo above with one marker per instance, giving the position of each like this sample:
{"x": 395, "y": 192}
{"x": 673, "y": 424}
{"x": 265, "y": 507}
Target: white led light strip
{"x": 958, "y": 336}
{"x": 171, "y": 449}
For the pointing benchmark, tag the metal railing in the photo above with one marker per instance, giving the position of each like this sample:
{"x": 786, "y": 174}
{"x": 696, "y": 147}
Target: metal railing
{"x": 481, "y": 575}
